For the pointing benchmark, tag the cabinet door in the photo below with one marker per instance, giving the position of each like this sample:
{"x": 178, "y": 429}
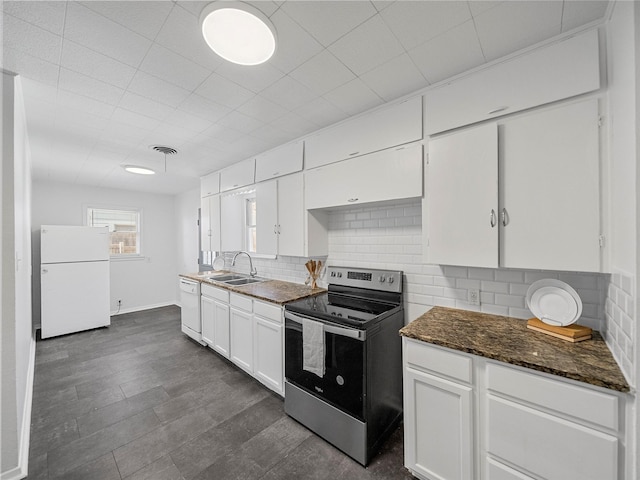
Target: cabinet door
{"x": 221, "y": 328}
{"x": 210, "y": 184}
{"x": 241, "y": 323}
{"x": 384, "y": 128}
{"x": 207, "y": 315}
{"x": 267, "y": 217}
{"x": 232, "y": 218}
{"x": 210, "y": 223}
{"x": 279, "y": 161}
{"x": 291, "y": 216}
{"x": 438, "y": 427}
{"x": 551, "y": 190}
{"x": 238, "y": 175}
{"x": 548, "y": 446}
{"x": 267, "y": 341}
{"x": 388, "y": 175}
{"x": 461, "y": 198}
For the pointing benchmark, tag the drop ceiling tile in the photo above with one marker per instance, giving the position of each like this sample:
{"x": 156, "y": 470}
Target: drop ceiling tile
{"x": 265, "y": 6}
{"x": 30, "y": 67}
{"x": 181, "y": 34}
{"x": 270, "y": 135}
{"x": 288, "y": 93}
{"x": 34, "y": 41}
{"x": 193, "y": 7}
{"x": 222, "y": 133}
{"x": 329, "y": 20}
{"x": 354, "y": 97}
{"x": 145, "y": 106}
{"x": 382, "y": 4}
{"x": 166, "y": 134}
{"x": 321, "y": 112}
{"x": 46, "y": 14}
{"x": 173, "y": 68}
{"x": 92, "y": 30}
{"x": 84, "y": 124}
{"x": 157, "y": 89}
{"x": 241, "y": 122}
{"x": 322, "y": 73}
{"x": 224, "y": 92}
{"x": 145, "y": 18}
{"x": 479, "y": 6}
{"x": 180, "y": 118}
{"x": 89, "y": 87}
{"x": 395, "y": 78}
{"x": 255, "y": 78}
{"x": 579, "y": 12}
{"x": 368, "y": 46}
{"x": 95, "y": 65}
{"x": 413, "y": 23}
{"x": 262, "y": 109}
{"x": 512, "y": 26}
{"x": 463, "y": 53}
{"x": 134, "y": 120}
{"x": 204, "y": 108}
{"x": 295, "y": 45}
{"x": 85, "y": 104}
{"x": 295, "y": 125}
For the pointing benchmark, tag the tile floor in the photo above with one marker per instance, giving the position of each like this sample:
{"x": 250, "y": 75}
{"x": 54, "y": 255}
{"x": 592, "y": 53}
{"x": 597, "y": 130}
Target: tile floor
{"x": 139, "y": 400}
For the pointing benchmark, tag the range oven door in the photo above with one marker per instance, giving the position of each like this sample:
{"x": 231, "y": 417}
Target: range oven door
{"x": 344, "y": 382}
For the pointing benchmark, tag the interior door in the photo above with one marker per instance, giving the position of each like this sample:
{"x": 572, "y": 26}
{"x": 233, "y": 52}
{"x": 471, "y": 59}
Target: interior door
{"x": 461, "y": 198}
{"x": 550, "y": 184}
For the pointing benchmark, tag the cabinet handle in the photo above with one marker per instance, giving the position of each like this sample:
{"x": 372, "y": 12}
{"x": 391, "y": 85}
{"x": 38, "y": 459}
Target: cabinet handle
{"x": 497, "y": 110}
{"x": 505, "y": 217}
{"x": 275, "y": 229}
{"x": 492, "y": 218}
{"x": 354, "y": 153}
{"x": 351, "y": 200}
{"x": 278, "y": 229}
{"x": 275, "y": 174}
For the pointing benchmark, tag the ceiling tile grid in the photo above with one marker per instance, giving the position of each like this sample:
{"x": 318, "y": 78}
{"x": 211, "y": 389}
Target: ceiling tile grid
{"x": 106, "y": 79}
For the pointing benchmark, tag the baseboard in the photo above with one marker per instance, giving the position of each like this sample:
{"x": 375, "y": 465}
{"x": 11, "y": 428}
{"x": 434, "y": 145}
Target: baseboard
{"x": 22, "y": 469}
{"x": 141, "y": 308}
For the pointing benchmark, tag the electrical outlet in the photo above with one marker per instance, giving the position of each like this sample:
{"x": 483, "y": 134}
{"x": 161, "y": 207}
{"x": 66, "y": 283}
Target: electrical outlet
{"x": 473, "y": 296}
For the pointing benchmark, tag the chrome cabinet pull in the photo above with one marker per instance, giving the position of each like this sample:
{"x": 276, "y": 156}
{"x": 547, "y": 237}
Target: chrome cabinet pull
{"x": 351, "y": 200}
{"x": 275, "y": 229}
{"x": 492, "y": 218}
{"x": 505, "y": 217}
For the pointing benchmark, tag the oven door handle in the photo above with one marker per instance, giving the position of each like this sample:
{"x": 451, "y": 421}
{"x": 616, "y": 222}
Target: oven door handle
{"x": 344, "y": 332}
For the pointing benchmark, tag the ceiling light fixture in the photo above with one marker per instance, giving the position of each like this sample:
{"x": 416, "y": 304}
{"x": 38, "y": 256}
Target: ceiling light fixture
{"x": 138, "y": 170}
{"x": 238, "y": 32}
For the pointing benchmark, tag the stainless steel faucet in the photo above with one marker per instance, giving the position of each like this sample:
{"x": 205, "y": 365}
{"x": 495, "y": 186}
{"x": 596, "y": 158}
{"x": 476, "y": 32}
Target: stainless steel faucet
{"x": 253, "y": 272}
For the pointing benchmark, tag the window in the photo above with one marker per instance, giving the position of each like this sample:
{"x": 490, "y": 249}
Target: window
{"x": 124, "y": 229}
{"x": 250, "y": 227}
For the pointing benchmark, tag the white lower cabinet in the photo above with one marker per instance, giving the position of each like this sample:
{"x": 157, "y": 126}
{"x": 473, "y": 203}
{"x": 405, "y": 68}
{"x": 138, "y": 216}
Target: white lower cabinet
{"x": 246, "y": 331}
{"x": 467, "y": 417}
{"x": 438, "y": 427}
{"x": 241, "y": 320}
{"x": 268, "y": 346}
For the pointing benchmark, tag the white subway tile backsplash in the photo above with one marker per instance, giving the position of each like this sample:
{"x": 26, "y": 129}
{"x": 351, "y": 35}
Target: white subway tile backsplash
{"x": 512, "y": 276}
{"x": 510, "y": 300}
{"x": 481, "y": 273}
{"x": 619, "y": 325}
{"x": 495, "y": 287}
{"x": 460, "y": 272}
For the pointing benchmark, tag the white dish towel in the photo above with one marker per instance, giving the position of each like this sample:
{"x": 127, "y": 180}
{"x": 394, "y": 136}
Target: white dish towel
{"x": 313, "y": 347}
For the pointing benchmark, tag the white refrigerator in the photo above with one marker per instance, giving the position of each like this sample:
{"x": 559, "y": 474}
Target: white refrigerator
{"x": 74, "y": 279}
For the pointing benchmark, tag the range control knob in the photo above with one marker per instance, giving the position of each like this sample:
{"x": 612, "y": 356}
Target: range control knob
{"x": 381, "y": 279}
{"x": 333, "y": 274}
{"x": 390, "y": 279}
{"x": 339, "y": 274}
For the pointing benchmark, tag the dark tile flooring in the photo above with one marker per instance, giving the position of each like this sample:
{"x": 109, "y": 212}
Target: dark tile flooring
{"x": 140, "y": 401}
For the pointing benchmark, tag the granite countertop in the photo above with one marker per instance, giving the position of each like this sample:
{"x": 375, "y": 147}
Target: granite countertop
{"x": 273, "y": 291}
{"x": 508, "y": 340}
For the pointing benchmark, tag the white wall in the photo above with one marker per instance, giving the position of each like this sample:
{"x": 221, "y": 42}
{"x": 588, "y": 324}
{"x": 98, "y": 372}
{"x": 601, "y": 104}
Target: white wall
{"x": 18, "y": 342}
{"x": 140, "y": 284}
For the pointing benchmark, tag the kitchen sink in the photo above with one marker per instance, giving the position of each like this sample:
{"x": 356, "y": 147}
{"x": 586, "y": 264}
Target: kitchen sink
{"x": 226, "y": 278}
{"x": 244, "y": 281}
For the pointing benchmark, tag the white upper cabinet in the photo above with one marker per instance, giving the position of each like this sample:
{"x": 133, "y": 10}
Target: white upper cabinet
{"x": 384, "y": 128}
{"x": 550, "y": 187}
{"x": 562, "y": 70}
{"x": 210, "y": 184}
{"x": 461, "y": 198}
{"x": 238, "y": 175}
{"x": 538, "y": 198}
{"x": 280, "y": 161}
{"x": 232, "y": 220}
{"x": 387, "y": 175}
{"x": 210, "y": 223}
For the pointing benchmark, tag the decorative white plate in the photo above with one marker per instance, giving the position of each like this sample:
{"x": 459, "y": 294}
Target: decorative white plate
{"x": 218, "y": 264}
{"x": 554, "y": 302}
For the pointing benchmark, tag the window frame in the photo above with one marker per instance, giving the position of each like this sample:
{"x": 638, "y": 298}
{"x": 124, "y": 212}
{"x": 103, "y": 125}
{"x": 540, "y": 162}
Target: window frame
{"x": 139, "y": 255}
